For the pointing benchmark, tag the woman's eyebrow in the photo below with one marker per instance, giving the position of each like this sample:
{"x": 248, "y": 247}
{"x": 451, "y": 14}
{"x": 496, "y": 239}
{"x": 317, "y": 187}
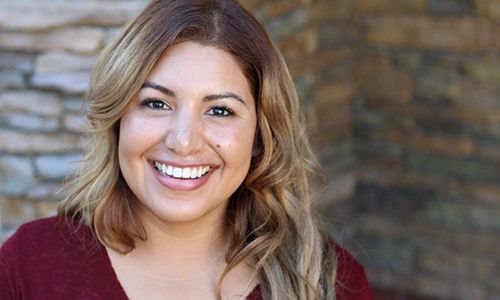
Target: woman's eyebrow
{"x": 170, "y": 93}
{"x": 224, "y": 96}
{"x": 159, "y": 88}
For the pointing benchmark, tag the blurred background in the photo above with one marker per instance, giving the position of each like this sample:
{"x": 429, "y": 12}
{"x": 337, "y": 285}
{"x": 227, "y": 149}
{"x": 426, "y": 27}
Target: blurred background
{"x": 402, "y": 100}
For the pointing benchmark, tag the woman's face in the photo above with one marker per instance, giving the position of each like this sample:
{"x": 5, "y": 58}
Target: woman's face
{"x": 186, "y": 140}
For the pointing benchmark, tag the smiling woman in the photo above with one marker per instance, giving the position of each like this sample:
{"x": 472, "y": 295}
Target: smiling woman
{"x": 199, "y": 181}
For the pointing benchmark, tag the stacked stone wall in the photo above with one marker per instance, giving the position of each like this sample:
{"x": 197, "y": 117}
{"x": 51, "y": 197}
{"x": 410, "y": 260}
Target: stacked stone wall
{"x": 427, "y": 133}
{"x": 47, "y": 49}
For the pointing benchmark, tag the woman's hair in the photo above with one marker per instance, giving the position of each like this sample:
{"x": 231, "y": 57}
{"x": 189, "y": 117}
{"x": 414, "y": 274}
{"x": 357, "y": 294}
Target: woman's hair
{"x": 270, "y": 216}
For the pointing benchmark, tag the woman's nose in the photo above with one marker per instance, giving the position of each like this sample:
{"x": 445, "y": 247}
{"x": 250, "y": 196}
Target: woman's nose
{"x": 184, "y": 136}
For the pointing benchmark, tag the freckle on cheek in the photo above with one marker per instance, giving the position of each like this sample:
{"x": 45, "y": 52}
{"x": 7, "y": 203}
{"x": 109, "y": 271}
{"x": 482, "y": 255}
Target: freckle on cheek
{"x": 218, "y": 146}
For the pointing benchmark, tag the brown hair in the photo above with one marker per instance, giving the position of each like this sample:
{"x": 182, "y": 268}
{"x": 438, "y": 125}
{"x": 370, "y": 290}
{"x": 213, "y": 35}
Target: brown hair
{"x": 271, "y": 214}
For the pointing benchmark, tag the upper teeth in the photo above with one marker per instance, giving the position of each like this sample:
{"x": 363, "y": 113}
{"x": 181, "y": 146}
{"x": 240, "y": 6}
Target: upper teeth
{"x": 195, "y": 172}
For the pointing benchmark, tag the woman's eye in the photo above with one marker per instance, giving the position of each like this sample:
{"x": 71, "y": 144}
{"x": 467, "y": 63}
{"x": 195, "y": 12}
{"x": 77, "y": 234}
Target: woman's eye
{"x": 221, "y": 111}
{"x": 155, "y": 104}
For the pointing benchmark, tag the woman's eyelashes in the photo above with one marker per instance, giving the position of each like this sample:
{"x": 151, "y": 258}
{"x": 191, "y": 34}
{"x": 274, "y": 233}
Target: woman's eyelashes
{"x": 155, "y": 104}
{"x": 220, "y": 111}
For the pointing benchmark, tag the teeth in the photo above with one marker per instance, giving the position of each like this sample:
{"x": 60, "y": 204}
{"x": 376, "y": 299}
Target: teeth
{"x": 177, "y": 172}
{"x": 184, "y": 173}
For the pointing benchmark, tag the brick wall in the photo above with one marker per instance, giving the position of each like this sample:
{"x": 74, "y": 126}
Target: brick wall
{"x": 402, "y": 100}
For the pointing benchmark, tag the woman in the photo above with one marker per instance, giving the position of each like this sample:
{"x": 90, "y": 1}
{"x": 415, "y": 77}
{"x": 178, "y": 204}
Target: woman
{"x": 199, "y": 181}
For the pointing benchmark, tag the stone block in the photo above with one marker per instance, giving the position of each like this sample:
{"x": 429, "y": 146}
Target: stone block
{"x": 280, "y": 8}
{"x": 401, "y": 203}
{"x": 16, "y": 211}
{"x": 485, "y": 69}
{"x": 467, "y": 289}
{"x": 326, "y": 59}
{"x": 369, "y": 127}
{"x": 388, "y": 7}
{"x": 453, "y": 168}
{"x": 481, "y": 193}
{"x": 435, "y": 123}
{"x": 333, "y": 96}
{"x": 56, "y": 166}
{"x": 29, "y": 122}
{"x": 46, "y": 208}
{"x": 327, "y": 11}
{"x": 380, "y": 81}
{"x": 63, "y": 62}
{"x": 484, "y": 130}
{"x": 488, "y": 8}
{"x": 31, "y": 102}
{"x": 438, "y": 144}
{"x": 482, "y": 243}
{"x": 43, "y": 15}
{"x": 340, "y": 188}
{"x": 43, "y": 192}
{"x": 332, "y": 126}
{"x": 438, "y": 86}
{"x": 485, "y": 217}
{"x": 450, "y": 7}
{"x": 26, "y": 143}
{"x": 287, "y": 26}
{"x": 295, "y": 48}
{"x": 11, "y": 80}
{"x": 79, "y": 40}
{"x": 21, "y": 62}
{"x": 335, "y": 35}
{"x": 390, "y": 253}
{"x": 72, "y": 83}
{"x": 426, "y": 285}
{"x": 337, "y": 158}
{"x": 483, "y": 268}
{"x": 464, "y": 35}
{"x": 489, "y": 151}
{"x": 443, "y": 263}
{"x": 480, "y": 95}
{"x": 251, "y": 4}
{"x": 16, "y": 174}
{"x": 74, "y": 122}
{"x": 75, "y": 104}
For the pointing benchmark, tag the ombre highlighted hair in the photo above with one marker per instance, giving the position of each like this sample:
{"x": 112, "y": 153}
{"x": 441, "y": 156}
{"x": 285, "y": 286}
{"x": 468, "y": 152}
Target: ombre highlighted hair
{"x": 271, "y": 217}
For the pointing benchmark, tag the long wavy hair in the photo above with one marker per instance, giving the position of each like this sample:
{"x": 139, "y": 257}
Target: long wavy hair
{"x": 270, "y": 216}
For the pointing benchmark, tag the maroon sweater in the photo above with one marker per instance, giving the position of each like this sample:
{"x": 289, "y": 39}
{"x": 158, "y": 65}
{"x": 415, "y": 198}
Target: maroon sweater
{"x": 46, "y": 259}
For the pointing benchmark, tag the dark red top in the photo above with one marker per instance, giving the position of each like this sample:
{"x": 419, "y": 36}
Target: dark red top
{"x": 46, "y": 259}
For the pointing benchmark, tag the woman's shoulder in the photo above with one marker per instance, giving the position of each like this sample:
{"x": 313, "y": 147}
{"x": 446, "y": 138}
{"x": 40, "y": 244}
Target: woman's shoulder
{"x": 51, "y": 239}
{"x": 351, "y": 281}
{"x": 350, "y": 278}
{"x": 50, "y": 232}
{"x": 59, "y": 250}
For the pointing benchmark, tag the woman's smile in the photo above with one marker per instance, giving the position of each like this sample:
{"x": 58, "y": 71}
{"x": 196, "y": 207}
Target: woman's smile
{"x": 180, "y": 172}
{"x": 178, "y": 178}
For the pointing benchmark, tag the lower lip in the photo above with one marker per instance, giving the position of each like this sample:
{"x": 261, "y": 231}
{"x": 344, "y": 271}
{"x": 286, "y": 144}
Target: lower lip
{"x": 181, "y": 184}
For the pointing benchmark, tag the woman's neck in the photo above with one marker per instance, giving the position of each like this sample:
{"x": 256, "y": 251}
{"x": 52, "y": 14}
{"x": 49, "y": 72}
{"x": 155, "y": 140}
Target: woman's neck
{"x": 188, "y": 258}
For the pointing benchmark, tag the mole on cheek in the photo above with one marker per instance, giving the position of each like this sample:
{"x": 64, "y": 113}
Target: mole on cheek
{"x": 218, "y": 146}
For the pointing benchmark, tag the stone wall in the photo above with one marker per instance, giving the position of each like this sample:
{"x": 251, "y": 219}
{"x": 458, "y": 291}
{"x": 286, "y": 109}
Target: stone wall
{"x": 47, "y": 49}
{"x": 427, "y": 132}
{"x": 402, "y": 100}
